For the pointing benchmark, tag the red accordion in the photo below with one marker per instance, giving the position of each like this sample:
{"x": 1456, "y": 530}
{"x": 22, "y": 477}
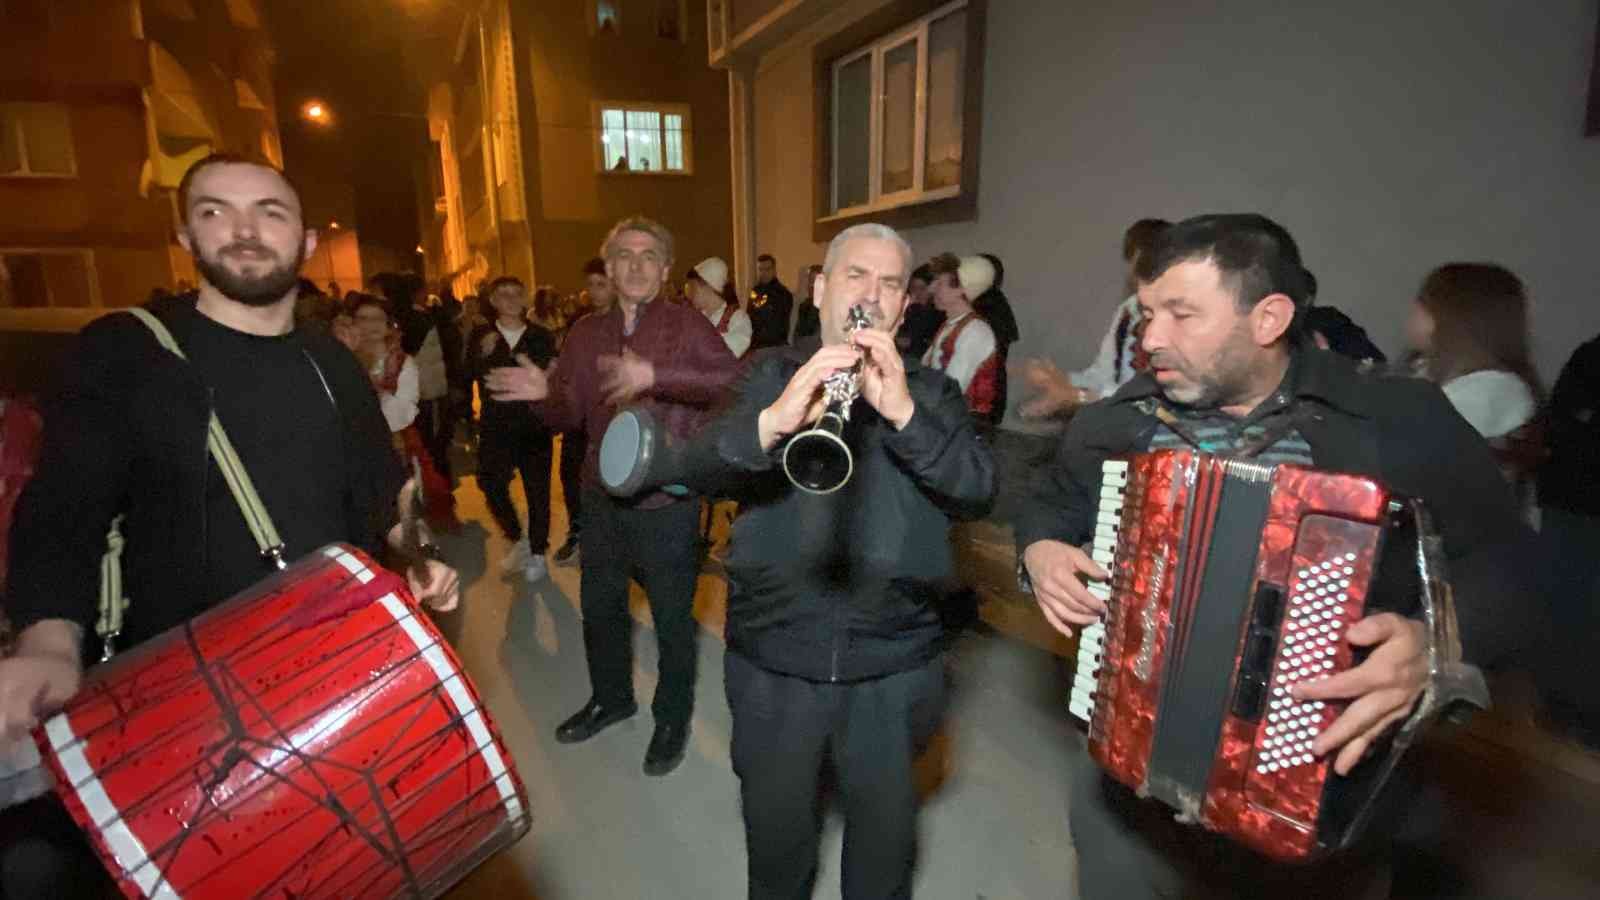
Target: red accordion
{"x": 1232, "y": 581}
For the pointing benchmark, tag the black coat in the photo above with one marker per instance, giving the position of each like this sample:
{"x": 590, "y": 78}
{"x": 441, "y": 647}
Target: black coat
{"x": 1570, "y": 479}
{"x": 845, "y": 586}
{"x": 126, "y": 433}
{"x": 1402, "y": 432}
{"x": 769, "y": 309}
{"x": 537, "y": 343}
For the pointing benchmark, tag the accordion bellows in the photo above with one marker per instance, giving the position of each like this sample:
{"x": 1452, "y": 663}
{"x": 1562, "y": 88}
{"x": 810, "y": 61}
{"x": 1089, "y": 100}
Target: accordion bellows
{"x": 1232, "y": 582}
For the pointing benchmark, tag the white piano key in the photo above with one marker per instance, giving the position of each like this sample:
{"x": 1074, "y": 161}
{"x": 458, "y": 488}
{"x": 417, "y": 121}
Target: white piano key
{"x": 1103, "y": 557}
{"x": 1114, "y": 465}
{"x": 1081, "y": 709}
{"x": 1100, "y": 589}
{"x": 1112, "y": 518}
{"x": 1111, "y": 492}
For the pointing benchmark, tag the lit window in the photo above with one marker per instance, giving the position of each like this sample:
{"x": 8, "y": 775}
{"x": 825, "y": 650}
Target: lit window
{"x": 36, "y": 141}
{"x": 897, "y": 123}
{"x": 606, "y": 20}
{"x": 643, "y": 138}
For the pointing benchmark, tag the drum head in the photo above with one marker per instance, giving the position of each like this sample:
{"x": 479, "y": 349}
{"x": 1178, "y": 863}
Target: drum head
{"x": 626, "y": 452}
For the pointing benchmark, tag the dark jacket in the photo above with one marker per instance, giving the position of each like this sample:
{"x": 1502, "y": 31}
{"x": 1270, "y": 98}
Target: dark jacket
{"x": 1402, "y": 432}
{"x": 769, "y": 309}
{"x": 1570, "y": 478}
{"x": 537, "y": 343}
{"x": 845, "y": 586}
{"x": 693, "y": 371}
{"x": 807, "y": 320}
{"x": 127, "y": 434}
{"x": 922, "y": 321}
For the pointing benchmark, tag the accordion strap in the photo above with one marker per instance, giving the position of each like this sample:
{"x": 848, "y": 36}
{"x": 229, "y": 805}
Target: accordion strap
{"x": 112, "y": 601}
{"x": 1453, "y": 684}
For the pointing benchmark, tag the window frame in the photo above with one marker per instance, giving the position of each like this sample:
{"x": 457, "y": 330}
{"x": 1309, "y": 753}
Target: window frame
{"x": 19, "y": 134}
{"x": 597, "y": 111}
{"x": 91, "y": 277}
{"x": 894, "y": 17}
{"x": 877, "y": 49}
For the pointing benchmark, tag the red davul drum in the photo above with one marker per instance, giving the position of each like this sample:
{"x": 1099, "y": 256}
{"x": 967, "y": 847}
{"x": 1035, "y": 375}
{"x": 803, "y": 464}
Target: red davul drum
{"x": 313, "y": 737}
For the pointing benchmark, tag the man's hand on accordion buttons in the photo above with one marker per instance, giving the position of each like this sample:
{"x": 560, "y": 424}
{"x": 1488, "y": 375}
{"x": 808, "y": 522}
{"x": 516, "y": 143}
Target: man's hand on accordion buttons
{"x": 1057, "y": 571}
{"x": 523, "y": 381}
{"x": 801, "y": 401}
{"x": 1382, "y": 690}
{"x": 883, "y": 378}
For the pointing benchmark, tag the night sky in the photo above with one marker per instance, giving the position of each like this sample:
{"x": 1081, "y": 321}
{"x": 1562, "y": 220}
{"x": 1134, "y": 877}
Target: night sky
{"x": 367, "y": 59}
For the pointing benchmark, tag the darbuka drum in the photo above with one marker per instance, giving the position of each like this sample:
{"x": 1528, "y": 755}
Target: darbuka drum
{"x": 313, "y": 737}
{"x": 628, "y": 451}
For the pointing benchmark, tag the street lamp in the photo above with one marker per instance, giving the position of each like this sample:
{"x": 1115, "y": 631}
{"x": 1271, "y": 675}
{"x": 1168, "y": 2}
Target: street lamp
{"x": 316, "y": 112}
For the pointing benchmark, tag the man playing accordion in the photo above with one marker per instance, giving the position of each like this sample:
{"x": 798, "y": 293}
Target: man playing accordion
{"x": 1223, "y": 296}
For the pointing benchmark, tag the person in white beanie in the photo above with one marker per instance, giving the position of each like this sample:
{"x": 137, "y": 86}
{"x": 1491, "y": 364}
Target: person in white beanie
{"x": 709, "y": 291}
{"x": 964, "y": 347}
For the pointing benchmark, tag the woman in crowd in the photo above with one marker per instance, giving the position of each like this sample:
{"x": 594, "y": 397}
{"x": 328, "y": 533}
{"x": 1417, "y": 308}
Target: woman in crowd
{"x": 394, "y": 376}
{"x": 1469, "y": 326}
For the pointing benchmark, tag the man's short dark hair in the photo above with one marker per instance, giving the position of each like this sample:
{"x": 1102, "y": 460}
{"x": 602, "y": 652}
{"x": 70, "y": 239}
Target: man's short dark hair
{"x": 1256, "y": 255}
{"x": 503, "y": 281}
{"x": 922, "y": 273}
{"x": 186, "y": 183}
{"x": 1141, "y": 236}
{"x": 595, "y": 266}
{"x": 767, "y": 258}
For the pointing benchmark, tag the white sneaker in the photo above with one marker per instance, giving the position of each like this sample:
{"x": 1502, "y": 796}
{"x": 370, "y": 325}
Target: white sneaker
{"x": 517, "y": 559}
{"x": 537, "y": 569}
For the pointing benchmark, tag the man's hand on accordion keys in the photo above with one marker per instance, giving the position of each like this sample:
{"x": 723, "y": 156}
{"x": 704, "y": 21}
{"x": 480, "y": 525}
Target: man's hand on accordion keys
{"x": 1383, "y": 690}
{"x": 1057, "y": 571}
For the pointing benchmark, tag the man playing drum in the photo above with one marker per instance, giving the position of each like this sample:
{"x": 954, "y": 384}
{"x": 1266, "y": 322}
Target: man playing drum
{"x": 127, "y": 436}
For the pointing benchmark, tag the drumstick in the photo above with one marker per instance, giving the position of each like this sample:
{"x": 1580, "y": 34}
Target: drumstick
{"x": 416, "y": 541}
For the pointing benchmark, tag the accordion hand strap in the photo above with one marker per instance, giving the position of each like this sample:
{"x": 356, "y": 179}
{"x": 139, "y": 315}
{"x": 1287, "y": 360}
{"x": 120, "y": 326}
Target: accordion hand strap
{"x": 1453, "y": 684}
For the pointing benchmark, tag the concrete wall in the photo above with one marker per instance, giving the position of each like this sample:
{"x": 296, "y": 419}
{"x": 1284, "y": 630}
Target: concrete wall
{"x": 1387, "y": 137}
{"x": 571, "y": 206}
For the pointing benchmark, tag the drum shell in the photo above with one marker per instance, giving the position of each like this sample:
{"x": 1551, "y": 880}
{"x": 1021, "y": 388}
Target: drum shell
{"x": 312, "y": 737}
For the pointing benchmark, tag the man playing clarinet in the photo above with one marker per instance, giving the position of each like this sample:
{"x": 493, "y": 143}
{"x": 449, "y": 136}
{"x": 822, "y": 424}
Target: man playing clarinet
{"x": 1223, "y": 296}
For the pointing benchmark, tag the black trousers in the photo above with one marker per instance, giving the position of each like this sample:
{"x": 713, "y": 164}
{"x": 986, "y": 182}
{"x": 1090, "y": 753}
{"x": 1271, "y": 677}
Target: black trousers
{"x": 1571, "y": 544}
{"x": 873, "y": 729}
{"x": 1131, "y": 849}
{"x": 43, "y": 854}
{"x": 656, "y": 548}
{"x": 502, "y": 451}
{"x": 574, "y": 446}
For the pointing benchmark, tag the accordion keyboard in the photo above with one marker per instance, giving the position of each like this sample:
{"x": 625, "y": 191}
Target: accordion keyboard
{"x": 1091, "y": 643}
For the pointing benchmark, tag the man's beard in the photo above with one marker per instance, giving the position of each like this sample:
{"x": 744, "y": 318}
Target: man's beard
{"x": 251, "y": 290}
{"x": 1222, "y": 383}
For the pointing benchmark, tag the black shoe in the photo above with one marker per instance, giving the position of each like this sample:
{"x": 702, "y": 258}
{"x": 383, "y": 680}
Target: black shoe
{"x": 564, "y": 554}
{"x": 591, "y": 720}
{"x": 667, "y": 746}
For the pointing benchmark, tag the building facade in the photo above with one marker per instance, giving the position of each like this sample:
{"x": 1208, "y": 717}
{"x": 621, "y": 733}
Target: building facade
{"x": 103, "y": 105}
{"x": 1388, "y": 138}
{"x": 553, "y": 120}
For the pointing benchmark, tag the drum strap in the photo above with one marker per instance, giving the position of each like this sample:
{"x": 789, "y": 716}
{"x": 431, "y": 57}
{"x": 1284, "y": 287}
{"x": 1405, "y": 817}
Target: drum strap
{"x": 112, "y": 602}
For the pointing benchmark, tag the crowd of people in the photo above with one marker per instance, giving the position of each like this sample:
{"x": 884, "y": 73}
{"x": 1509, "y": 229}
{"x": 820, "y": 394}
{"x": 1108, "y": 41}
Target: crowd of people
{"x": 835, "y": 638}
